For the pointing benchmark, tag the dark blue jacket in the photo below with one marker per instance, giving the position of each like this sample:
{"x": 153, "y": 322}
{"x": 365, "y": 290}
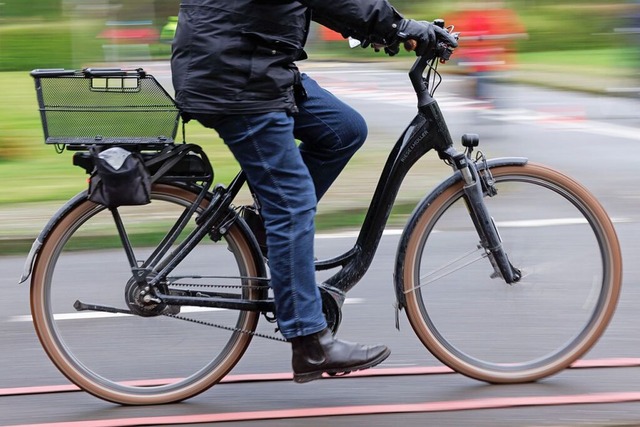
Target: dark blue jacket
{"x": 237, "y": 56}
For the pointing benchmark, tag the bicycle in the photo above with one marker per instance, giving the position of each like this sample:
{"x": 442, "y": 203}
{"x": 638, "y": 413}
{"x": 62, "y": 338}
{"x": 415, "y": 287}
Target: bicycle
{"x": 176, "y": 287}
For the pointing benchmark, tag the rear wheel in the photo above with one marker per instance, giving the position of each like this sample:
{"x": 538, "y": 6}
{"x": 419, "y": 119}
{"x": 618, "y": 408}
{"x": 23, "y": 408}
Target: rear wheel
{"x": 133, "y": 359}
{"x": 552, "y": 229}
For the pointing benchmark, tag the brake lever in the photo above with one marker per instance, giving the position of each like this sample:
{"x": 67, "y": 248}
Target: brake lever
{"x": 444, "y": 50}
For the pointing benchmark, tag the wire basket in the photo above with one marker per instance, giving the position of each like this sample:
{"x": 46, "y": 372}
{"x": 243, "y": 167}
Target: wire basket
{"x": 105, "y": 107}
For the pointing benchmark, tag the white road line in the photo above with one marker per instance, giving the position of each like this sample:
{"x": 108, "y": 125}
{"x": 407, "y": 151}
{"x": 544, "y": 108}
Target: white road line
{"x": 347, "y": 234}
{"x": 354, "y": 233}
{"x": 553, "y": 222}
{"x": 565, "y": 122}
{"x": 100, "y": 315}
{"x": 400, "y": 95}
{"x": 520, "y": 223}
{"x": 541, "y": 222}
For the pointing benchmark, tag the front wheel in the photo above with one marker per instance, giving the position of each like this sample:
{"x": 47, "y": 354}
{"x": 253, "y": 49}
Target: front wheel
{"x": 564, "y": 243}
{"x": 150, "y": 357}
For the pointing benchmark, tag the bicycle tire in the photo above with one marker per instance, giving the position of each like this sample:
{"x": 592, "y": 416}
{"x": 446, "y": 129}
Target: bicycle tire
{"x": 557, "y": 233}
{"x": 119, "y": 357}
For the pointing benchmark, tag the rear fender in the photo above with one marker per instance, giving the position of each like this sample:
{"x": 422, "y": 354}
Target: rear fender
{"x": 55, "y": 219}
{"x": 37, "y": 244}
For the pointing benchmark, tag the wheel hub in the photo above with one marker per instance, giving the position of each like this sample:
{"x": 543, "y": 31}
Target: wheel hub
{"x": 141, "y": 301}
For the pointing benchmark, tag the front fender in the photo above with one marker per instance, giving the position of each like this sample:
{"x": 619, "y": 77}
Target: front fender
{"x": 398, "y": 275}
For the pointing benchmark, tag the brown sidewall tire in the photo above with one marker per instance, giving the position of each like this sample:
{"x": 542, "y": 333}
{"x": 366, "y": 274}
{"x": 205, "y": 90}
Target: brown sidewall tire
{"x": 56, "y": 354}
{"x": 612, "y": 281}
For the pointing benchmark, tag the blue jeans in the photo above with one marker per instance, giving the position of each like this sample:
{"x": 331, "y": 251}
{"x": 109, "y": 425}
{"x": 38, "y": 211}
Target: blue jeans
{"x": 289, "y": 179}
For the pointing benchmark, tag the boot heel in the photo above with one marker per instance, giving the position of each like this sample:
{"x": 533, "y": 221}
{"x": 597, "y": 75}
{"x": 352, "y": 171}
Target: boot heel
{"x": 307, "y": 377}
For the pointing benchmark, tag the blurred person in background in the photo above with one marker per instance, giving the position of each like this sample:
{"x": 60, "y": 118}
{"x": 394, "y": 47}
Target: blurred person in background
{"x": 629, "y": 28}
{"x": 234, "y": 71}
{"x": 488, "y": 31}
{"x": 635, "y": 41}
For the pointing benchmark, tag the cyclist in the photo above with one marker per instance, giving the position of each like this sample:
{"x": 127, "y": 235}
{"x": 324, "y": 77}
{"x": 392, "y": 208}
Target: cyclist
{"x": 234, "y": 71}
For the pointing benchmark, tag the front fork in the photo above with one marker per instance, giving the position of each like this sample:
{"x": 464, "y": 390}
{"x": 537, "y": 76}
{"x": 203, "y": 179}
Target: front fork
{"x": 477, "y": 184}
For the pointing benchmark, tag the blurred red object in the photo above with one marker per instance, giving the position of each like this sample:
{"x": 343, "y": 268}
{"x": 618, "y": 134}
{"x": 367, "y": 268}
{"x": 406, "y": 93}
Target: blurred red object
{"x": 487, "y": 37}
{"x": 126, "y": 34}
{"x": 329, "y": 35}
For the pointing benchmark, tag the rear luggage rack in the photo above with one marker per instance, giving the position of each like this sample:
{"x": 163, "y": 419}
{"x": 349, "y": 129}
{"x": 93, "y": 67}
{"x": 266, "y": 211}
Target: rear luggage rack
{"x": 105, "y": 106}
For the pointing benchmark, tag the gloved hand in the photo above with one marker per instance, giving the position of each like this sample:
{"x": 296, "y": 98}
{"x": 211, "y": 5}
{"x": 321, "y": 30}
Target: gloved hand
{"x": 421, "y": 31}
{"x": 392, "y": 49}
{"x": 425, "y": 33}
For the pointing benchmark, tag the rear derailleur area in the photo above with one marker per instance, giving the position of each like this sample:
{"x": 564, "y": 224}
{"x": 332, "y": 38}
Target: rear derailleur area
{"x": 142, "y": 302}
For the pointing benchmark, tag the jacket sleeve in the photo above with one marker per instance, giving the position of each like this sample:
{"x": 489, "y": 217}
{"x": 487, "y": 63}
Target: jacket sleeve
{"x": 366, "y": 20}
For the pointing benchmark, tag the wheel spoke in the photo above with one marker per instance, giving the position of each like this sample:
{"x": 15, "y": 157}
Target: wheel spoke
{"x": 448, "y": 269}
{"x": 106, "y": 349}
{"x": 563, "y": 239}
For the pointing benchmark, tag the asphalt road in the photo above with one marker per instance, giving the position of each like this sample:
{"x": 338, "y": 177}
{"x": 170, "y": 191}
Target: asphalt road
{"x": 594, "y": 139}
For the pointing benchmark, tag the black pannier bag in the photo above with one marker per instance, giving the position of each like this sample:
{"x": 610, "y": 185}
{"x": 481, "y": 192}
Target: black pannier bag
{"x": 119, "y": 178}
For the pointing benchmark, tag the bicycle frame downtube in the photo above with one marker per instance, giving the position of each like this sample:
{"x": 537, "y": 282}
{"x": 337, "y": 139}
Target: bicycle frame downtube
{"x": 426, "y": 131}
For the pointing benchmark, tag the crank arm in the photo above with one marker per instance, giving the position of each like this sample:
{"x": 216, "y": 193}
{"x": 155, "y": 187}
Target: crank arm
{"x": 81, "y": 306}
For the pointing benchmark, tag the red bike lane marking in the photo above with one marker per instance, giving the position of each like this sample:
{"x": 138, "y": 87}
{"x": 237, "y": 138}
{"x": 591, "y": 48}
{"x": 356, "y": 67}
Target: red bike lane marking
{"x": 403, "y": 408}
{"x": 287, "y": 376}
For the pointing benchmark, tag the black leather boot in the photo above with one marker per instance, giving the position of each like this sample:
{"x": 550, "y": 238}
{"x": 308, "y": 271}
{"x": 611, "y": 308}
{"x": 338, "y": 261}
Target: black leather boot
{"x": 321, "y": 352}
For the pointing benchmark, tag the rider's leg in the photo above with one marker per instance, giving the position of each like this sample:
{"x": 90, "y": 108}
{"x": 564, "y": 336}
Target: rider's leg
{"x": 265, "y": 147}
{"x": 330, "y": 131}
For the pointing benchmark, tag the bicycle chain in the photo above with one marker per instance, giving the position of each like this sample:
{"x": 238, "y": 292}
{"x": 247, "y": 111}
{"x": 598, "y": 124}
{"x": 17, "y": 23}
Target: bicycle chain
{"x": 201, "y": 285}
{"x": 219, "y": 326}
{"x": 228, "y": 328}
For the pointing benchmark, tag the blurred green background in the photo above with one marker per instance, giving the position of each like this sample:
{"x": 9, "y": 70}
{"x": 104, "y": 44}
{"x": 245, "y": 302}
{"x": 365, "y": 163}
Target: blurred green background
{"x": 69, "y": 33}
{"x": 571, "y": 35}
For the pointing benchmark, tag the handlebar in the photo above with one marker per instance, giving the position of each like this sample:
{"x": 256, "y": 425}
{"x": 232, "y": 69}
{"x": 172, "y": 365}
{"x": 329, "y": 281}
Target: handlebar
{"x": 441, "y": 52}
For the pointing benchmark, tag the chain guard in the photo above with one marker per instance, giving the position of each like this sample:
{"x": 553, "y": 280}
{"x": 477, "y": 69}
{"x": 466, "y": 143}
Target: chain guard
{"x": 134, "y": 294}
{"x": 331, "y": 309}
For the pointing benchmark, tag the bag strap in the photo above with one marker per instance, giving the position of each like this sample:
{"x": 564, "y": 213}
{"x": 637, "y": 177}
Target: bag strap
{"x": 169, "y": 157}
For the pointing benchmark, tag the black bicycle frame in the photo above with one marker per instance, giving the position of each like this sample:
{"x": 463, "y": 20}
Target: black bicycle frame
{"x": 427, "y": 131}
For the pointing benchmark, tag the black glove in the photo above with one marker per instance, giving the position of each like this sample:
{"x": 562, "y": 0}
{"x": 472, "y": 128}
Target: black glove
{"x": 392, "y": 49}
{"x": 421, "y": 31}
{"x": 425, "y": 33}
